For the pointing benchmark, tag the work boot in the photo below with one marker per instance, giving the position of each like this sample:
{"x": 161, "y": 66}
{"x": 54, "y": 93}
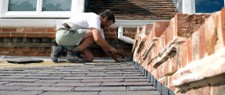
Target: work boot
{"x": 56, "y": 51}
{"x": 72, "y": 56}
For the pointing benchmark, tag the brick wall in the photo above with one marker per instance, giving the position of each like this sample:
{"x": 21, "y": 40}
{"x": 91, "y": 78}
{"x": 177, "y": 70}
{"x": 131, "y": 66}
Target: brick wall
{"x": 37, "y": 41}
{"x": 185, "y": 54}
{"x": 135, "y": 9}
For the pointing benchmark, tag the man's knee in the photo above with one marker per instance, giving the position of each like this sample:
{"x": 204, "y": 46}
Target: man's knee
{"x": 88, "y": 34}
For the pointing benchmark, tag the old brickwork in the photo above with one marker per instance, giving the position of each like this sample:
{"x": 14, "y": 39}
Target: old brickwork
{"x": 185, "y": 54}
{"x": 135, "y": 9}
{"x": 32, "y": 41}
{"x": 37, "y": 41}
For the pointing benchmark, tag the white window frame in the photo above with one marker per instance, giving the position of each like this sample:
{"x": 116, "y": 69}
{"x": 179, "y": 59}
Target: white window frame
{"x": 188, "y": 6}
{"x": 77, "y": 6}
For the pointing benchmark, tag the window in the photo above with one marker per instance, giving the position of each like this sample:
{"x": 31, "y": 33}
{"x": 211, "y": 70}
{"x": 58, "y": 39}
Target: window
{"x": 40, "y": 8}
{"x": 208, "y": 6}
{"x": 22, "y": 5}
{"x": 56, "y": 5}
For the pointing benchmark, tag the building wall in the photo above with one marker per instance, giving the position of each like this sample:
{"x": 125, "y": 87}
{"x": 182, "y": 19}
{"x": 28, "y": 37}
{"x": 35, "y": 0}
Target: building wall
{"x": 37, "y": 41}
{"x": 198, "y": 6}
{"x": 185, "y": 54}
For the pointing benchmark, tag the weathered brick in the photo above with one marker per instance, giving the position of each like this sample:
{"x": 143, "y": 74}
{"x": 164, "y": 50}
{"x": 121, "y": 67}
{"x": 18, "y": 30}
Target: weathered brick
{"x": 195, "y": 45}
{"x": 48, "y": 35}
{"x": 169, "y": 33}
{"x": 189, "y": 47}
{"x": 51, "y": 29}
{"x": 23, "y": 29}
{"x": 202, "y": 42}
{"x": 222, "y": 22}
{"x": 187, "y": 24}
{"x": 17, "y": 34}
{"x": 113, "y": 36}
{"x": 33, "y": 35}
{"x": 5, "y": 34}
{"x": 9, "y": 29}
{"x": 218, "y": 90}
{"x": 159, "y": 27}
{"x": 211, "y": 25}
{"x": 183, "y": 54}
{"x": 25, "y": 49}
{"x": 220, "y": 30}
{"x": 43, "y": 30}
{"x": 146, "y": 29}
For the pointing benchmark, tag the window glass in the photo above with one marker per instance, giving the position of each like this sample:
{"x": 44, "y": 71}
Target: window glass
{"x": 208, "y": 6}
{"x": 56, "y": 5}
{"x": 22, "y": 5}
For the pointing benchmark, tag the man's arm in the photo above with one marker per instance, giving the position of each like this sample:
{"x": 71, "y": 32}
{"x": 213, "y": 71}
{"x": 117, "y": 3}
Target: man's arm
{"x": 101, "y": 42}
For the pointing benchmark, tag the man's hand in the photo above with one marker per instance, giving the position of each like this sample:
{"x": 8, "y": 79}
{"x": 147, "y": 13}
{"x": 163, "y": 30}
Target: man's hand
{"x": 112, "y": 50}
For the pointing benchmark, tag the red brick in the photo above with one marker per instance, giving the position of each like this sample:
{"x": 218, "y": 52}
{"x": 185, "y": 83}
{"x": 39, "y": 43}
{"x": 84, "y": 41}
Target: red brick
{"x": 155, "y": 74}
{"x": 24, "y": 29}
{"x": 222, "y": 21}
{"x": 166, "y": 68}
{"x": 220, "y": 30}
{"x": 174, "y": 63}
{"x": 170, "y": 67}
{"x": 218, "y": 90}
{"x": 129, "y": 35}
{"x": 146, "y": 48}
{"x": 202, "y": 42}
{"x": 160, "y": 71}
{"x": 161, "y": 43}
{"x": 156, "y": 48}
{"x": 164, "y": 81}
{"x": 168, "y": 34}
{"x": 110, "y": 35}
{"x": 183, "y": 54}
{"x": 170, "y": 78}
{"x": 135, "y": 40}
{"x": 41, "y": 54}
{"x": 5, "y": 34}
{"x": 129, "y": 30}
{"x": 25, "y": 49}
{"x": 199, "y": 91}
{"x": 48, "y": 35}
{"x": 33, "y": 35}
{"x": 211, "y": 33}
{"x": 189, "y": 48}
{"x": 187, "y": 24}
{"x": 195, "y": 45}
{"x": 41, "y": 50}
{"x": 4, "y": 29}
{"x": 159, "y": 27}
{"x": 51, "y": 29}
{"x": 17, "y": 34}
{"x": 146, "y": 29}
{"x": 39, "y": 30}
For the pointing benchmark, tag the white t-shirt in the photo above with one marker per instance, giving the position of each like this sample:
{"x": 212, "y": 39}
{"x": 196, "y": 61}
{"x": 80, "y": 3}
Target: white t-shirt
{"x": 85, "y": 21}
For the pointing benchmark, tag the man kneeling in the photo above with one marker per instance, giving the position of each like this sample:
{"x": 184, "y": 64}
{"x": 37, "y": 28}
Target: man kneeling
{"x": 79, "y": 32}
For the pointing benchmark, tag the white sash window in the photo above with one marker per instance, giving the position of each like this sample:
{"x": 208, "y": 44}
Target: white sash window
{"x": 40, "y": 8}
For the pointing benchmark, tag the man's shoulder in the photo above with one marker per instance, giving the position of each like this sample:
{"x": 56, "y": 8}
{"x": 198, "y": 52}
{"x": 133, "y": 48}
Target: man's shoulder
{"x": 90, "y": 14}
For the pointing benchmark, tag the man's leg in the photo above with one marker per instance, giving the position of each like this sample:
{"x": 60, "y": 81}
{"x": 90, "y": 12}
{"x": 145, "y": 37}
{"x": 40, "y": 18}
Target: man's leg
{"x": 86, "y": 41}
{"x": 55, "y": 53}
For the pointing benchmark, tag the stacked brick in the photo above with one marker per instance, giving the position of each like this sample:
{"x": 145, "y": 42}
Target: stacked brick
{"x": 185, "y": 54}
{"x": 135, "y": 9}
{"x": 37, "y": 41}
{"x": 26, "y": 41}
